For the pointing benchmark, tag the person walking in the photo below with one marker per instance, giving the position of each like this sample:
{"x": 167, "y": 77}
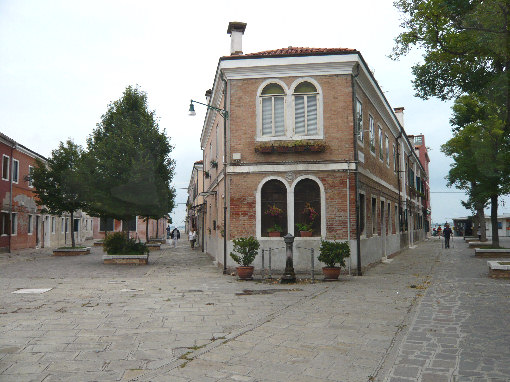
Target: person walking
{"x": 175, "y": 235}
{"x": 447, "y": 232}
{"x": 192, "y": 237}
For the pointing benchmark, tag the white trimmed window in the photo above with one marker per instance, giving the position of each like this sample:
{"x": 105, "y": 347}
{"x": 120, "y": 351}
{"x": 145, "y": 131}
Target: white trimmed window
{"x": 30, "y": 172}
{"x": 387, "y": 143}
{"x": 5, "y": 167}
{"x": 14, "y": 227}
{"x": 372, "y": 133}
{"x": 394, "y": 158}
{"x": 381, "y": 152}
{"x": 53, "y": 224}
{"x": 359, "y": 119}
{"x": 30, "y": 223}
{"x": 15, "y": 171}
{"x": 272, "y": 101}
{"x": 305, "y": 109}
{"x": 62, "y": 225}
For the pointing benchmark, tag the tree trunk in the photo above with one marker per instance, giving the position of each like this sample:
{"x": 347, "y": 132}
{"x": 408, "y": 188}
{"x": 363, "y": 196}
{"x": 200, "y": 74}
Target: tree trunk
{"x": 480, "y": 222}
{"x": 494, "y": 220}
{"x": 147, "y": 229}
{"x": 73, "y": 244}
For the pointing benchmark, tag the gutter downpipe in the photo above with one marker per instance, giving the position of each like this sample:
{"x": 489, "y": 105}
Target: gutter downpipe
{"x": 10, "y": 196}
{"x": 399, "y": 184}
{"x": 356, "y": 173}
{"x": 225, "y": 116}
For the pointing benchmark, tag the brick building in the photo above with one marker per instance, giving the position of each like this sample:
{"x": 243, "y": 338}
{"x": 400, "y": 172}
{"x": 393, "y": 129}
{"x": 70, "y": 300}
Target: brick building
{"x": 22, "y": 223}
{"x": 308, "y": 133}
{"x": 195, "y": 203}
{"x": 423, "y": 155}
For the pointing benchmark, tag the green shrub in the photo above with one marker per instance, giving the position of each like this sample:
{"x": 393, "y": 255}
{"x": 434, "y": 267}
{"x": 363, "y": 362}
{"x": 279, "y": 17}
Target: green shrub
{"x": 247, "y": 247}
{"x": 332, "y": 252}
{"x": 118, "y": 244}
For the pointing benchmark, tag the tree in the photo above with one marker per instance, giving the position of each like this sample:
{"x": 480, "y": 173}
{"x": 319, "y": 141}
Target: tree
{"x": 57, "y": 182}
{"x": 466, "y": 52}
{"x": 480, "y": 155}
{"x": 128, "y": 164}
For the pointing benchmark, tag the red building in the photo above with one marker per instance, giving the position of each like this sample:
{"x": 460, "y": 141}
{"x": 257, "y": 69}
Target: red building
{"x": 422, "y": 153}
{"x": 20, "y": 221}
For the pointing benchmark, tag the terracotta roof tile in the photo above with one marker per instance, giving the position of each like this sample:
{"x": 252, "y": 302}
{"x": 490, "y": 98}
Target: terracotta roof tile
{"x": 296, "y": 51}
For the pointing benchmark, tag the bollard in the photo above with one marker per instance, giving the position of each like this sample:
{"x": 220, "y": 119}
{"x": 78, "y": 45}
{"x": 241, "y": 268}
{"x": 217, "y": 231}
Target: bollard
{"x": 269, "y": 265}
{"x": 288, "y": 275}
{"x": 263, "y": 270}
{"x": 312, "y": 255}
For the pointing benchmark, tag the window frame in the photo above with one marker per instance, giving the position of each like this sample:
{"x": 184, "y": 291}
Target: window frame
{"x": 359, "y": 121}
{"x": 5, "y": 223}
{"x": 53, "y": 225}
{"x": 15, "y": 163}
{"x": 8, "y": 166}
{"x": 387, "y": 146}
{"x": 317, "y": 104}
{"x": 289, "y": 111}
{"x": 14, "y": 223}
{"x": 30, "y": 180}
{"x": 371, "y": 134}
{"x": 260, "y": 98}
{"x": 394, "y": 158}
{"x": 374, "y": 215}
{"x": 62, "y": 225}
{"x": 30, "y": 224}
{"x": 381, "y": 148}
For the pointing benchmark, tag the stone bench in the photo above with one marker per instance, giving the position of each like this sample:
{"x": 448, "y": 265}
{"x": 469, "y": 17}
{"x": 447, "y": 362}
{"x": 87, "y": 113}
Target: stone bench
{"x": 126, "y": 259}
{"x": 492, "y": 252}
{"x": 499, "y": 269}
{"x": 71, "y": 251}
{"x": 153, "y": 246}
{"x": 480, "y": 244}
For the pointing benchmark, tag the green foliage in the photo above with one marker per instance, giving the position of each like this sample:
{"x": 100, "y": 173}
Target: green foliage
{"x": 118, "y": 243}
{"x": 128, "y": 166}
{"x": 304, "y": 226}
{"x": 332, "y": 252}
{"x": 275, "y": 228}
{"x": 465, "y": 43}
{"x": 247, "y": 248}
{"x": 57, "y": 182}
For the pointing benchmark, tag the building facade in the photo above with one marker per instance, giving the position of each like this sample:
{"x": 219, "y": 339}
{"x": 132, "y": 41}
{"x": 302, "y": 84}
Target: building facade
{"x": 137, "y": 228}
{"x": 195, "y": 203}
{"x": 309, "y": 143}
{"x": 23, "y": 223}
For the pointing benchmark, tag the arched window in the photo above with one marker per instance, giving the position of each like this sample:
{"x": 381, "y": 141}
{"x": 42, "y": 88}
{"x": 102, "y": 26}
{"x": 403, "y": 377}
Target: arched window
{"x": 272, "y": 99}
{"x": 305, "y": 109}
{"x": 273, "y": 207}
{"x": 307, "y": 206}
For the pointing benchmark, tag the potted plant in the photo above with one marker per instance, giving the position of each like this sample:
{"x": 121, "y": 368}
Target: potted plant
{"x": 206, "y": 173}
{"x": 264, "y": 148}
{"x": 276, "y": 213}
{"x": 275, "y": 231}
{"x": 214, "y": 163}
{"x": 318, "y": 147}
{"x": 246, "y": 248}
{"x": 331, "y": 253}
{"x": 121, "y": 249}
{"x": 306, "y": 228}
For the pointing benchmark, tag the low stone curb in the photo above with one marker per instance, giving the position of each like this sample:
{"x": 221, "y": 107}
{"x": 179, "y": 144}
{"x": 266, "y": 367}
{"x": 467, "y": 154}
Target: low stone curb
{"x": 71, "y": 251}
{"x": 126, "y": 259}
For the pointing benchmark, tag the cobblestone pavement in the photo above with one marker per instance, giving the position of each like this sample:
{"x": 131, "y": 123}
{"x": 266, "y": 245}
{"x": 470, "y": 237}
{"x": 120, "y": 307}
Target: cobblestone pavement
{"x": 461, "y": 328}
{"x": 181, "y": 319}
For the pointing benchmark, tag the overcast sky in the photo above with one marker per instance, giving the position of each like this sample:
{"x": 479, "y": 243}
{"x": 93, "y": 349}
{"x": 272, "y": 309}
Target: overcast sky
{"x": 62, "y": 62}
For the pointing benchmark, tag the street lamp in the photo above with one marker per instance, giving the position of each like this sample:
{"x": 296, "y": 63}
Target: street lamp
{"x": 224, "y": 114}
{"x": 192, "y": 112}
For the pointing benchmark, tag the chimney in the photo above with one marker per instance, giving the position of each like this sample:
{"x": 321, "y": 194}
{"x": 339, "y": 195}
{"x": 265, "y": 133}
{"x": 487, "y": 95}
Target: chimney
{"x": 208, "y": 94}
{"x": 399, "y": 112}
{"x": 236, "y": 31}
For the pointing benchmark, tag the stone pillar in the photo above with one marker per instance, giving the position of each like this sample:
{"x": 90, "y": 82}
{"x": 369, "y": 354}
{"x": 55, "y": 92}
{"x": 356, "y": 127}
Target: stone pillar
{"x": 289, "y": 276}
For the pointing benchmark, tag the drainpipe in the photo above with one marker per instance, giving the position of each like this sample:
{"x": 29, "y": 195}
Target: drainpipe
{"x": 356, "y": 173}
{"x": 224, "y": 175}
{"x": 10, "y": 196}
{"x": 399, "y": 183}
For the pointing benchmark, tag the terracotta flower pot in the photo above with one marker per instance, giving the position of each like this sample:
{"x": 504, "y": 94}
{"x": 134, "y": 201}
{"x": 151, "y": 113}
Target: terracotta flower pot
{"x": 274, "y": 234}
{"x": 331, "y": 273}
{"x": 305, "y": 233}
{"x": 245, "y": 273}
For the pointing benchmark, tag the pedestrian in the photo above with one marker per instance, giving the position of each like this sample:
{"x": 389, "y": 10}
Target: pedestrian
{"x": 479, "y": 233}
{"x": 447, "y": 233}
{"x": 175, "y": 235}
{"x": 168, "y": 232}
{"x": 192, "y": 237}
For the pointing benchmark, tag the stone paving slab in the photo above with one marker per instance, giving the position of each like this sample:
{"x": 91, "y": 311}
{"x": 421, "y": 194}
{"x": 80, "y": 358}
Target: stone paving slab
{"x": 179, "y": 318}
